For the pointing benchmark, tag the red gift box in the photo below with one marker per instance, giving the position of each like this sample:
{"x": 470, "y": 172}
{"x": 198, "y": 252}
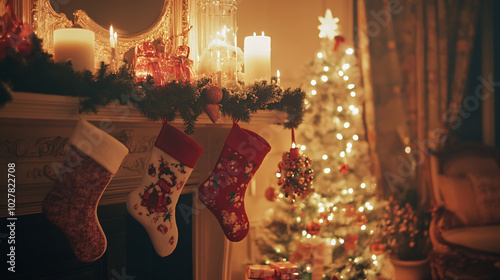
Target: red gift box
{"x": 284, "y": 268}
{"x": 257, "y": 271}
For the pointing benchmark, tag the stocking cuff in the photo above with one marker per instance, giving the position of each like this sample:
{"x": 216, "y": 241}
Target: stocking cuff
{"x": 99, "y": 145}
{"x": 248, "y": 144}
{"x": 178, "y": 145}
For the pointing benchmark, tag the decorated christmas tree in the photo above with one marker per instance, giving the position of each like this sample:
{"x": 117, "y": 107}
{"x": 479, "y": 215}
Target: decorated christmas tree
{"x": 330, "y": 228}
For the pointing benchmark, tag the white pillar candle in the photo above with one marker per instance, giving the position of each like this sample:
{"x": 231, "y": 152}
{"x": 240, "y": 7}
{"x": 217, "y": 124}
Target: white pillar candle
{"x": 77, "y": 45}
{"x": 257, "y": 58}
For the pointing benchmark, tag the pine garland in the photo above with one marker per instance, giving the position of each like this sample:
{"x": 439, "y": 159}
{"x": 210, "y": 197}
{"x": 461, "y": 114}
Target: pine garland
{"x": 37, "y": 72}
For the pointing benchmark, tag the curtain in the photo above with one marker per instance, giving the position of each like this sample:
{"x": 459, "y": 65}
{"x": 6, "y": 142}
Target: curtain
{"x": 415, "y": 58}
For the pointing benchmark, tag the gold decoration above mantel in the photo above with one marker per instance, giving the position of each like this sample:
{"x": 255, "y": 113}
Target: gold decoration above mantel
{"x": 36, "y": 128}
{"x": 172, "y": 19}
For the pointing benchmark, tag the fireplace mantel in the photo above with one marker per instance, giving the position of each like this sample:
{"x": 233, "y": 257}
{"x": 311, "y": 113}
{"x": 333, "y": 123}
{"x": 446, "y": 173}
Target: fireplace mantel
{"x": 36, "y": 129}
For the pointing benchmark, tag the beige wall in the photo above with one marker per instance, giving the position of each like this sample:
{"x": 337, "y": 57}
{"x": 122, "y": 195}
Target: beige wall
{"x": 293, "y": 27}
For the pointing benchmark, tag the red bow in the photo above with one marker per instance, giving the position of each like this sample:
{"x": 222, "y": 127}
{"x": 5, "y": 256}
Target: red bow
{"x": 339, "y": 39}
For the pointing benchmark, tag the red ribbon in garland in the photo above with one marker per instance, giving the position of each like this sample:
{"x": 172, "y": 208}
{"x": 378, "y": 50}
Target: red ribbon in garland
{"x": 339, "y": 39}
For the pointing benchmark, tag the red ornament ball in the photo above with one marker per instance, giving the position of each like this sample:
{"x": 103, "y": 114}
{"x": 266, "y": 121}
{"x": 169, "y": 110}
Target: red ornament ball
{"x": 344, "y": 168}
{"x": 377, "y": 248}
{"x": 313, "y": 228}
{"x": 295, "y": 175}
{"x": 272, "y": 194}
{"x": 213, "y": 94}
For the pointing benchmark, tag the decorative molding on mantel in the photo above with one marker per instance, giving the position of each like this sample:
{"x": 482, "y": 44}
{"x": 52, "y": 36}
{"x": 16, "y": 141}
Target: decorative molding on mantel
{"x": 35, "y": 131}
{"x": 55, "y": 107}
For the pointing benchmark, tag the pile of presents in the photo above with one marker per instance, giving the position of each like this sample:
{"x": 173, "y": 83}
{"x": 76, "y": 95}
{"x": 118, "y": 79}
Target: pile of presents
{"x": 273, "y": 271}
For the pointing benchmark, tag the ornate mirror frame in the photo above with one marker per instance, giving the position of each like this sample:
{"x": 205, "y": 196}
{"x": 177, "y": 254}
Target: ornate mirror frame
{"x": 173, "y": 19}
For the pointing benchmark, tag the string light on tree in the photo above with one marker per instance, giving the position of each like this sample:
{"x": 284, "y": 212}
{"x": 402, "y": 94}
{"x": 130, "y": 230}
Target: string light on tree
{"x": 338, "y": 213}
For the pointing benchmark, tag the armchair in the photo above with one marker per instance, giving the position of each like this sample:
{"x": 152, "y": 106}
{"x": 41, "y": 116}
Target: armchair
{"x": 464, "y": 187}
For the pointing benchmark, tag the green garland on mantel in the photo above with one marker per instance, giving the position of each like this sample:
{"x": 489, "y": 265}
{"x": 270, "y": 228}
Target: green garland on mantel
{"x": 38, "y": 73}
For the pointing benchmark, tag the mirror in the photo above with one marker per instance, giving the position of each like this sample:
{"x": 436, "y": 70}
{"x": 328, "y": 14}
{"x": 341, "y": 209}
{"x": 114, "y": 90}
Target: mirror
{"x": 126, "y": 16}
{"x": 156, "y": 22}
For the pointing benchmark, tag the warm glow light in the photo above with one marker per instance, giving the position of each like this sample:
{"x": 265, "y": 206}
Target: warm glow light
{"x": 342, "y": 154}
{"x": 349, "y": 145}
{"x": 344, "y": 191}
{"x": 363, "y": 227}
{"x": 345, "y": 66}
{"x": 339, "y": 136}
{"x": 304, "y": 233}
{"x": 341, "y": 73}
{"x": 341, "y": 241}
{"x": 353, "y": 93}
{"x": 363, "y": 185}
{"x": 326, "y": 170}
{"x": 333, "y": 242}
{"x": 278, "y": 250}
{"x": 339, "y": 108}
{"x": 324, "y": 78}
{"x": 313, "y": 82}
{"x": 351, "y": 107}
{"x": 349, "y": 51}
{"x": 314, "y": 92}
{"x": 346, "y": 125}
{"x": 308, "y": 236}
{"x": 326, "y": 68}
{"x": 351, "y": 190}
{"x": 278, "y": 175}
{"x": 280, "y": 195}
{"x": 361, "y": 209}
{"x": 308, "y": 268}
{"x": 320, "y": 55}
{"x": 374, "y": 257}
{"x": 355, "y": 137}
{"x": 321, "y": 221}
{"x": 350, "y": 86}
{"x": 324, "y": 157}
{"x": 303, "y": 147}
{"x": 407, "y": 150}
{"x": 355, "y": 111}
{"x": 330, "y": 217}
{"x": 346, "y": 78}
{"x": 348, "y": 150}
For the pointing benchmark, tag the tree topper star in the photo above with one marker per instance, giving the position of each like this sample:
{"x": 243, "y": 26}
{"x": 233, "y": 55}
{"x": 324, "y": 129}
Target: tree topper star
{"x": 328, "y": 27}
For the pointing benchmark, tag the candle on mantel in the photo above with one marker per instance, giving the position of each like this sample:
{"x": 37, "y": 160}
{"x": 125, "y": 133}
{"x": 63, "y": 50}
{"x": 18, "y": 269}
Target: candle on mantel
{"x": 257, "y": 58}
{"x": 278, "y": 77}
{"x": 77, "y": 45}
{"x": 113, "y": 38}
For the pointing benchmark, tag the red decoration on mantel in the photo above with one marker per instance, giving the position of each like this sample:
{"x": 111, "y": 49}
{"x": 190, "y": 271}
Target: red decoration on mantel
{"x": 14, "y": 34}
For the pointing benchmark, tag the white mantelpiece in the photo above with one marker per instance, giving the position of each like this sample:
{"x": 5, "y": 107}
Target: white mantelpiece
{"x": 34, "y": 133}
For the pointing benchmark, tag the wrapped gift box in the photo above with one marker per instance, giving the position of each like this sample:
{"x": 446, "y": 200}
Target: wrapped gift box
{"x": 284, "y": 268}
{"x": 258, "y": 271}
{"x": 274, "y": 271}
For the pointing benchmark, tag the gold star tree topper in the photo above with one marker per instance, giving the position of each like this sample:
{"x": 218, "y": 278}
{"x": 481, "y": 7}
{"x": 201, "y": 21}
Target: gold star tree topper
{"x": 328, "y": 27}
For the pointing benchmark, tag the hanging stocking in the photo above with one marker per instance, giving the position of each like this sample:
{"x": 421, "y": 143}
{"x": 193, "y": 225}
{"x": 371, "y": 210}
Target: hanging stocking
{"x": 93, "y": 158}
{"x": 153, "y": 203}
{"x": 224, "y": 191}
